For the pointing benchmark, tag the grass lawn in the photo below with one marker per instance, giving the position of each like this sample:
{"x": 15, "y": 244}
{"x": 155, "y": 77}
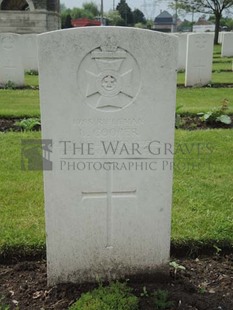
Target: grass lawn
{"x": 19, "y": 103}
{"x": 203, "y": 197}
{"x": 217, "y": 77}
{"x": 21, "y": 196}
{"x": 218, "y": 66}
{"x": 25, "y": 103}
{"x": 195, "y": 100}
{"x": 31, "y": 80}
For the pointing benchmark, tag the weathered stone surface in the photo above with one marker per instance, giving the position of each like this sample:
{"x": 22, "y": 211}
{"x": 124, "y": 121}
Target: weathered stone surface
{"x": 199, "y": 59}
{"x": 108, "y": 104}
{"x": 11, "y": 64}
{"x": 182, "y": 50}
{"x": 30, "y": 53}
{"x": 227, "y": 44}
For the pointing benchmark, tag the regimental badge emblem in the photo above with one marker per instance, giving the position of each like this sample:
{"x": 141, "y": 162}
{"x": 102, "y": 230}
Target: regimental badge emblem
{"x": 109, "y": 77}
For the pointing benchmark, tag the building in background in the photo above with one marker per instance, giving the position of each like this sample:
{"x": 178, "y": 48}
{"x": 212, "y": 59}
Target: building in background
{"x": 164, "y": 22}
{"x": 29, "y": 16}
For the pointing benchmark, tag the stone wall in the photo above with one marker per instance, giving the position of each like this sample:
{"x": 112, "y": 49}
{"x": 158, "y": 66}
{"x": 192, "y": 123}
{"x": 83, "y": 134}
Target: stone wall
{"x": 23, "y": 22}
{"x": 40, "y": 4}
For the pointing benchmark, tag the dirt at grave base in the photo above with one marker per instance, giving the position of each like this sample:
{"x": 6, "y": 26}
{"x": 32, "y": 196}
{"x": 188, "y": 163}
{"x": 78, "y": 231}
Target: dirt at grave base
{"x": 205, "y": 284}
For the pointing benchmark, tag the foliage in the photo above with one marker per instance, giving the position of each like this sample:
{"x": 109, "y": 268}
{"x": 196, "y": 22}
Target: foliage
{"x": 89, "y": 10}
{"x": 140, "y": 25}
{"x": 186, "y": 25}
{"x": 217, "y": 115}
{"x": 144, "y": 292}
{"x": 149, "y": 24}
{"x": 138, "y": 17}
{"x": 10, "y": 85}
{"x": 92, "y": 8}
{"x": 3, "y": 306}
{"x": 176, "y": 267}
{"x": 114, "y": 19}
{"x": 125, "y": 12}
{"x": 28, "y": 124}
{"x": 215, "y": 7}
{"x": 81, "y": 13}
{"x": 161, "y": 300}
{"x": 67, "y": 23}
{"x": 117, "y": 296}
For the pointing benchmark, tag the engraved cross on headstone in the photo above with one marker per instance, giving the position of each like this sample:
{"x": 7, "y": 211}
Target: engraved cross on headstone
{"x": 109, "y": 194}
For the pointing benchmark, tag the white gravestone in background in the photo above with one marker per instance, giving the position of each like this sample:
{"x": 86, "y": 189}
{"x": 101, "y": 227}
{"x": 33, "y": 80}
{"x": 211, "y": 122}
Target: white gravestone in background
{"x": 108, "y": 103}
{"x": 11, "y": 64}
{"x": 30, "y": 53}
{"x": 182, "y": 50}
{"x": 227, "y": 44}
{"x": 199, "y": 59}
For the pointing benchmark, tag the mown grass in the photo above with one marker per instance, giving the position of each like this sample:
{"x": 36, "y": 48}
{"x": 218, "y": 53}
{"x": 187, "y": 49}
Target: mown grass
{"x": 195, "y": 100}
{"x": 31, "y": 80}
{"x": 203, "y": 197}
{"x": 217, "y": 77}
{"x": 25, "y": 103}
{"x": 222, "y": 66}
{"x": 19, "y": 103}
{"x": 21, "y": 197}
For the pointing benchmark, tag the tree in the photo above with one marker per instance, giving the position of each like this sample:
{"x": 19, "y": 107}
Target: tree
{"x": 125, "y": 12}
{"x": 114, "y": 19}
{"x": 67, "y": 22}
{"x": 215, "y": 7}
{"x": 63, "y": 8}
{"x": 80, "y": 13}
{"x": 92, "y": 8}
{"x": 138, "y": 17}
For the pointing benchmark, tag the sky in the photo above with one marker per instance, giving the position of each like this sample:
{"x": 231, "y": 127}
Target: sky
{"x": 151, "y": 11}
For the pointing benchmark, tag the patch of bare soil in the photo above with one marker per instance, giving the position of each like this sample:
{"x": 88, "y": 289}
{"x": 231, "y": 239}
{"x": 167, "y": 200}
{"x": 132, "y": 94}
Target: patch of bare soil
{"x": 9, "y": 124}
{"x": 195, "y": 123}
{"x": 205, "y": 284}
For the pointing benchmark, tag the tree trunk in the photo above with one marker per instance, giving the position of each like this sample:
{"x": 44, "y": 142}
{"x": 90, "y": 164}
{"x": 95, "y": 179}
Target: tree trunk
{"x": 217, "y": 25}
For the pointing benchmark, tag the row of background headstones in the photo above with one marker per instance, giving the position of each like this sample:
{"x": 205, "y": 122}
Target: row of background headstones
{"x": 225, "y": 38}
{"x": 196, "y": 60}
{"x": 19, "y": 54}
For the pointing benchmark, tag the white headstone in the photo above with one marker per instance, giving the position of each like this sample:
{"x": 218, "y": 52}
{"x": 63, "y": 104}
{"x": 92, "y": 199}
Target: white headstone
{"x": 199, "y": 59}
{"x": 30, "y": 53}
{"x": 182, "y": 50}
{"x": 108, "y": 104}
{"x": 227, "y": 44}
{"x": 220, "y": 35}
{"x": 11, "y": 65}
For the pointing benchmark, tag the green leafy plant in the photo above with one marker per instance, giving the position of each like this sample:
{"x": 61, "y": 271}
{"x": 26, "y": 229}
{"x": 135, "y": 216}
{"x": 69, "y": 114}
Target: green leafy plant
{"x": 176, "y": 267}
{"x": 3, "y": 306}
{"x": 117, "y": 296}
{"x": 144, "y": 292}
{"x": 217, "y": 249}
{"x": 28, "y": 124}
{"x": 10, "y": 85}
{"x": 161, "y": 300}
{"x": 217, "y": 115}
{"x": 201, "y": 290}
